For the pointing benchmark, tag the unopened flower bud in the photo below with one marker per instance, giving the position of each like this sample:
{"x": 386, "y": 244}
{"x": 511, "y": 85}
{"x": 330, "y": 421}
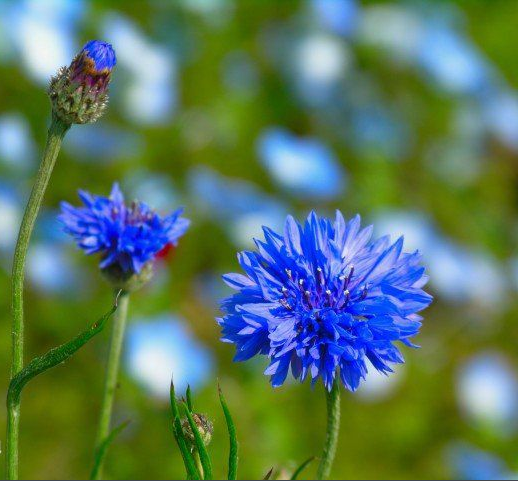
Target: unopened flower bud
{"x": 205, "y": 428}
{"x": 79, "y": 92}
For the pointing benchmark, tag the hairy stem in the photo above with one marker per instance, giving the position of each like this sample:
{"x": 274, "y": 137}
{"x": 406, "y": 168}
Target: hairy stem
{"x": 333, "y": 428}
{"x": 57, "y": 131}
{"x": 112, "y": 373}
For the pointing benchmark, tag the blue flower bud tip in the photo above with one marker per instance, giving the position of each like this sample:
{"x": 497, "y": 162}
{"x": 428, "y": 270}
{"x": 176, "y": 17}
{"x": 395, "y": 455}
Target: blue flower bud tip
{"x": 101, "y": 53}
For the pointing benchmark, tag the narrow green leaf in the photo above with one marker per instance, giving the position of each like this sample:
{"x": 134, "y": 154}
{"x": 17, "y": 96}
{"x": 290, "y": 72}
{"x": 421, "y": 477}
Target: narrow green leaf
{"x": 189, "y": 399}
{"x": 54, "y": 357}
{"x": 200, "y": 446}
{"x": 233, "y": 454}
{"x": 302, "y": 467}
{"x": 268, "y": 475}
{"x": 101, "y": 451}
{"x": 188, "y": 460}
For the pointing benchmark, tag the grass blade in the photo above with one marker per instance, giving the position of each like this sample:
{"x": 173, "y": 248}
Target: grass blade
{"x": 233, "y": 454}
{"x": 54, "y": 357}
{"x": 101, "y": 452}
{"x": 188, "y": 460}
{"x": 189, "y": 399}
{"x": 301, "y": 468}
{"x": 200, "y": 446}
{"x": 268, "y": 475}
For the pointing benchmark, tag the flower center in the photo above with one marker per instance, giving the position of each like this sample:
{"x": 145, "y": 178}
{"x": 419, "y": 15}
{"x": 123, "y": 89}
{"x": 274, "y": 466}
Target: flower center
{"x": 312, "y": 293}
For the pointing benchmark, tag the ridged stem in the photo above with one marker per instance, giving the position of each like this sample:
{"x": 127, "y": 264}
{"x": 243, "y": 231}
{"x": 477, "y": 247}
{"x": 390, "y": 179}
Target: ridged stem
{"x": 112, "y": 374}
{"x": 333, "y": 428}
{"x": 57, "y": 131}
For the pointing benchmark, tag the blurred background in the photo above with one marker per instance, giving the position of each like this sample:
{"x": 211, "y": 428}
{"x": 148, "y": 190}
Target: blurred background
{"x": 244, "y": 111}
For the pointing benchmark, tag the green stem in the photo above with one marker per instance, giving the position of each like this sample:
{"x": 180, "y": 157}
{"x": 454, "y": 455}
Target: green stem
{"x": 197, "y": 460}
{"x": 57, "y": 131}
{"x": 112, "y": 373}
{"x": 333, "y": 428}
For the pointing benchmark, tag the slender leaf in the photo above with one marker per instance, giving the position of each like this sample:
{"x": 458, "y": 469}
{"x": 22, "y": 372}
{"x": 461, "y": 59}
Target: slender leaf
{"x": 101, "y": 451}
{"x": 268, "y": 475}
{"x": 233, "y": 454}
{"x": 54, "y": 357}
{"x": 301, "y": 468}
{"x": 200, "y": 446}
{"x": 188, "y": 460}
{"x": 189, "y": 399}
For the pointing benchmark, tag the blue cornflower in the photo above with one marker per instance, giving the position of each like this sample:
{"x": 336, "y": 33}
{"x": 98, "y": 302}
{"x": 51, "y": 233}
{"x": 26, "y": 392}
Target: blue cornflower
{"x": 323, "y": 298}
{"x": 127, "y": 237}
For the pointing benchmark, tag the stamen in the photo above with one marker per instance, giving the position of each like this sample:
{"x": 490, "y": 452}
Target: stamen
{"x": 307, "y": 295}
{"x": 286, "y": 304}
{"x": 320, "y": 276}
{"x": 288, "y": 272}
{"x": 350, "y": 275}
{"x": 346, "y": 298}
{"x": 328, "y": 293}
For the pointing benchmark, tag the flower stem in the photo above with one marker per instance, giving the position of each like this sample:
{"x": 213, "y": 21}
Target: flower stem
{"x": 112, "y": 372}
{"x": 333, "y": 428}
{"x": 57, "y": 131}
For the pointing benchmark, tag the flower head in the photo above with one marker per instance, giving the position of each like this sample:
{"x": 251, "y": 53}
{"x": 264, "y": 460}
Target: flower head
{"x": 79, "y": 93}
{"x": 128, "y": 237}
{"x": 322, "y": 299}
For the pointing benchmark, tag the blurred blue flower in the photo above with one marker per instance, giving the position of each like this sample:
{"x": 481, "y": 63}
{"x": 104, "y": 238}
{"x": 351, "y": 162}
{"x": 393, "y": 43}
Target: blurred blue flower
{"x": 415, "y": 226}
{"x": 240, "y": 73}
{"x": 16, "y": 144}
{"x": 451, "y": 61}
{"x": 156, "y": 187}
{"x": 50, "y": 269}
{"x": 10, "y": 218}
{"x": 376, "y": 130}
{"x": 500, "y": 113}
{"x": 456, "y": 273}
{"x": 42, "y": 33}
{"x": 103, "y": 143}
{"x": 163, "y": 346}
{"x": 392, "y": 28}
{"x": 126, "y": 236}
{"x": 468, "y": 462}
{"x": 238, "y": 204}
{"x": 340, "y": 16}
{"x": 322, "y": 298}
{"x": 487, "y": 392}
{"x": 149, "y": 94}
{"x": 320, "y": 61}
{"x": 304, "y": 166}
